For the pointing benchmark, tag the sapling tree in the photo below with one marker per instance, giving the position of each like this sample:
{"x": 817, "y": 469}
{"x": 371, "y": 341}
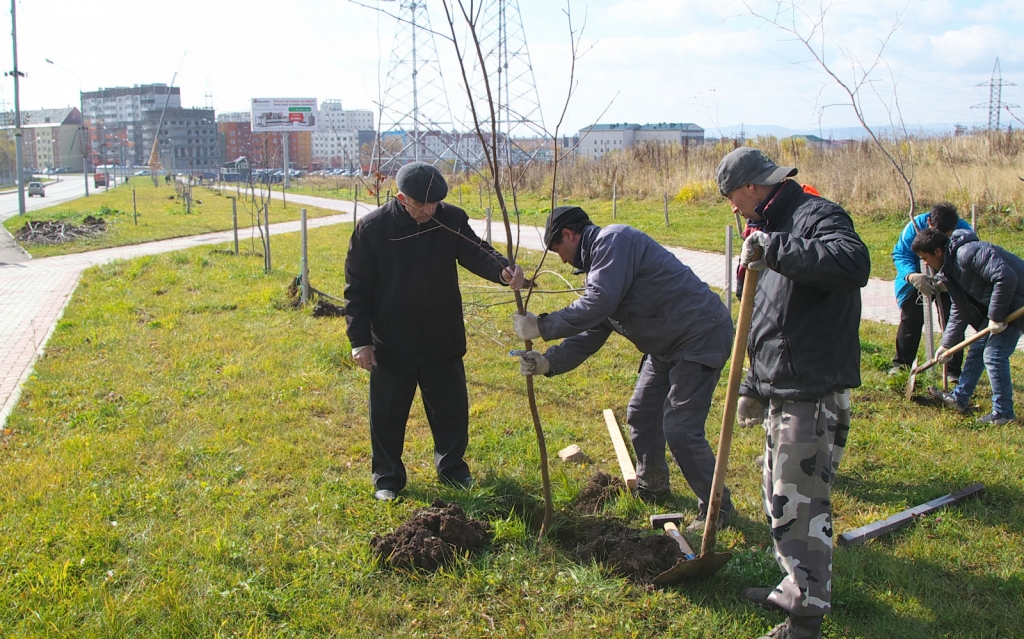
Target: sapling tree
{"x": 808, "y": 28}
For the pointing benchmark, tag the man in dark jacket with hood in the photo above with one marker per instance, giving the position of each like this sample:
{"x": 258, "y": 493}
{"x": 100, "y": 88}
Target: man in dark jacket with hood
{"x": 804, "y": 352}
{"x": 986, "y": 283}
{"x": 404, "y": 313}
{"x": 638, "y": 289}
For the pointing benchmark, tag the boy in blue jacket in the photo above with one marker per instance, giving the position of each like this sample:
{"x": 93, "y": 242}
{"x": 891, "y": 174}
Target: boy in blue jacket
{"x": 911, "y": 285}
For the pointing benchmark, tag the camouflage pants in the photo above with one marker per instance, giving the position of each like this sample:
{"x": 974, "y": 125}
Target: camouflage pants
{"x": 803, "y": 446}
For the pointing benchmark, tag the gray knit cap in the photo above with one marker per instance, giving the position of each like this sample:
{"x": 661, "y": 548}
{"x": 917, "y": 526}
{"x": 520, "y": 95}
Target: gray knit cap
{"x": 422, "y": 182}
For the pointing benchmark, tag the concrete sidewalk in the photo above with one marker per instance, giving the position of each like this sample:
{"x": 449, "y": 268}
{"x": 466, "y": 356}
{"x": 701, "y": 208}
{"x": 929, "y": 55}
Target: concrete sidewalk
{"x": 35, "y": 292}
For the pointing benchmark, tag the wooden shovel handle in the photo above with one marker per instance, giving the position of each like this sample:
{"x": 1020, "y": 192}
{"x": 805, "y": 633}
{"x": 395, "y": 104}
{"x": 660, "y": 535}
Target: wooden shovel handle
{"x": 729, "y": 415}
{"x": 967, "y": 342}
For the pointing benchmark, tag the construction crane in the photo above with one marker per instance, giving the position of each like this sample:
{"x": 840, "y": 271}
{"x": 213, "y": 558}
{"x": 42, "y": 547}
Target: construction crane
{"x": 154, "y": 154}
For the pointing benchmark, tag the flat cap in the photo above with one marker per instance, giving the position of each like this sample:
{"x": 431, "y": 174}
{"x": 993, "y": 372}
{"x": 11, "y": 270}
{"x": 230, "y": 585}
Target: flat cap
{"x": 747, "y": 165}
{"x": 560, "y": 218}
{"x": 422, "y": 182}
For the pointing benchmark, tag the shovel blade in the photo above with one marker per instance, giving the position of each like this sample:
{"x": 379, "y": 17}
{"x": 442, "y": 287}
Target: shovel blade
{"x": 911, "y": 380}
{"x": 700, "y": 567}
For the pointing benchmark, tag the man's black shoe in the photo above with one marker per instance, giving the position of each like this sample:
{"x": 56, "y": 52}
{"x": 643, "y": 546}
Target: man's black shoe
{"x": 759, "y": 596}
{"x": 465, "y": 481}
{"x": 649, "y": 496}
{"x": 725, "y": 517}
{"x": 796, "y": 628}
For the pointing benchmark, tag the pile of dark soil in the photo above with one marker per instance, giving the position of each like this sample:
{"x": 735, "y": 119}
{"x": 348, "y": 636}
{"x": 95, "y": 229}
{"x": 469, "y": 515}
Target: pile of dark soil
{"x": 628, "y": 552}
{"x": 432, "y": 538}
{"x": 51, "y": 232}
{"x": 599, "y": 489}
{"x": 323, "y": 308}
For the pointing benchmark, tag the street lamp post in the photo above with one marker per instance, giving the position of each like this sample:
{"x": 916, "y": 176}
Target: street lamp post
{"x": 83, "y": 135}
{"x": 17, "y": 117}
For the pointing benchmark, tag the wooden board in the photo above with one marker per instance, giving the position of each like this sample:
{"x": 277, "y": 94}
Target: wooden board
{"x": 625, "y": 461}
{"x": 899, "y": 520}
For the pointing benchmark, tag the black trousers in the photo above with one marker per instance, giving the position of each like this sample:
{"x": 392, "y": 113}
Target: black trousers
{"x": 908, "y": 334}
{"x": 445, "y": 400}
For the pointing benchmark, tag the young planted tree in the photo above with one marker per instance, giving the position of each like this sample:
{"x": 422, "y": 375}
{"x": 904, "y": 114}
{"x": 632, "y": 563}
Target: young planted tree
{"x": 496, "y": 166}
{"x": 807, "y": 27}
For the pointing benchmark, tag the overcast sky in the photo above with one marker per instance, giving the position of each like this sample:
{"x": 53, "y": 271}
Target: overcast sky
{"x": 706, "y": 62}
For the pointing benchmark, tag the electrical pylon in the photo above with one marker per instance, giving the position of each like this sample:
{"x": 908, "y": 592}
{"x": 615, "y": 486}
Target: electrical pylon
{"x": 415, "y": 119}
{"x": 995, "y": 97}
{"x": 513, "y": 87}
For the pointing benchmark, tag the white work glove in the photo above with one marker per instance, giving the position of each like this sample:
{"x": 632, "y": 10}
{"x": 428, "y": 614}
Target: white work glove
{"x": 364, "y": 357}
{"x": 533, "y": 363}
{"x": 923, "y": 283}
{"x": 996, "y": 327}
{"x": 750, "y": 412}
{"x": 526, "y": 326}
{"x": 513, "y": 276}
{"x": 752, "y": 255}
{"x": 943, "y": 356}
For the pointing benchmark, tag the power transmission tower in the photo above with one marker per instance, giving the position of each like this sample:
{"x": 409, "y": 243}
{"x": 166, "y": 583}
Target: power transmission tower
{"x": 208, "y": 101}
{"x": 995, "y": 97}
{"x": 415, "y": 119}
{"x": 512, "y": 84}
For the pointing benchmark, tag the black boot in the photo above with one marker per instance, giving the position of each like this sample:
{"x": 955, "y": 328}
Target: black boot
{"x": 796, "y": 627}
{"x": 759, "y": 596}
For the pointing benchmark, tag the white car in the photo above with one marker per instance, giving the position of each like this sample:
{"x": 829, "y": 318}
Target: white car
{"x": 142, "y": 172}
{"x": 36, "y": 188}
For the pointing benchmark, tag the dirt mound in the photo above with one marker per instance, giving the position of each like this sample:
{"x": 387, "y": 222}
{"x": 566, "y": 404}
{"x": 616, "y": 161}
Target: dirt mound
{"x": 51, "y": 232}
{"x": 432, "y": 538}
{"x": 326, "y": 309}
{"x": 628, "y": 552}
{"x": 600, "y": 488}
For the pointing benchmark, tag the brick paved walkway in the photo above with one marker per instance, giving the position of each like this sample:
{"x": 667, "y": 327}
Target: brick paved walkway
{"x": 33, "y": 294}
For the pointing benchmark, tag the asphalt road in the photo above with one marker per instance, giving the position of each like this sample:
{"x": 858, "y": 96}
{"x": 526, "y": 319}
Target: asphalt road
{"x": 70, "y": 187}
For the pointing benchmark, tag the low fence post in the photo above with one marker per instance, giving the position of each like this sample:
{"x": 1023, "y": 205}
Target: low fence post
{"x": 305, "y": 261}
{"x": 487, "y": 228}
{"x": 728, "y": 265}
{"x": 666, "y": 209}
{"x": 135, "y": 208}
{"x": 974, "y": 219}
{"x": 615, "y": 200}
{"x": 234, "y": 220}
{"x": 266, "y": 232}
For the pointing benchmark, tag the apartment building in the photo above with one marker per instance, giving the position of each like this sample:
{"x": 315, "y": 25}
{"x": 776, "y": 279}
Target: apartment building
{"x": 336, "y": 142}
{"x": 263, "y": 150}
{"x": 50, "y": 139}
{"x": 114, "y": 119}
{"x": 600, "y": 139}
{"x": 188, "y": 139}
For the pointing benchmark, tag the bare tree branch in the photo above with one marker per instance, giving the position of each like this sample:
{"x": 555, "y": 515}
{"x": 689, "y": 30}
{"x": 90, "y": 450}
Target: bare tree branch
{"x": 813, "y": 39}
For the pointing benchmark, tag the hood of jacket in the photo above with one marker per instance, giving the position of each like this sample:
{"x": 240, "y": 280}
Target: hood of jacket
{"x": 583, "y": 258}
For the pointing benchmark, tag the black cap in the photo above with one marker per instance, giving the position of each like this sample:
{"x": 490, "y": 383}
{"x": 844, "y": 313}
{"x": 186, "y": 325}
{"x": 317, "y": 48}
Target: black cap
{"x": 747, "y": 165}
{"x": 422, "y": 182}
{"x": 560, "y": 218}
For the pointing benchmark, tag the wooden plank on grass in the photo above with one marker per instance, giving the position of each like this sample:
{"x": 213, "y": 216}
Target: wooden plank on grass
{"x": 625, "y": 461}
{"x": 899, "y": 520}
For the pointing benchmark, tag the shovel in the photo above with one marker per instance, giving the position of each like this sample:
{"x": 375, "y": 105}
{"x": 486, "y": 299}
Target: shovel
{"x": 959, "y": 347}
{"x": 709, "y": 561}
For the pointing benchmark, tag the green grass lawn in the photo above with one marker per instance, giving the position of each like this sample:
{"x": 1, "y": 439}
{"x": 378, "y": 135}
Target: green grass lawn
{"x": 161, "y": 215}
{"x": 191, "y": 458}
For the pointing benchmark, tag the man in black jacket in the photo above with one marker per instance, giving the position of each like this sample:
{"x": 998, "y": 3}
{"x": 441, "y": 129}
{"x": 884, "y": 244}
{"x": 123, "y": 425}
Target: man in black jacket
{"x": 804, "y": 350}
{"x": 404, "y": 313}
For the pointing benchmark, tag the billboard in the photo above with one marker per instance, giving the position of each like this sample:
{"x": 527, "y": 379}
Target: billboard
{"x": 284, "y": 114}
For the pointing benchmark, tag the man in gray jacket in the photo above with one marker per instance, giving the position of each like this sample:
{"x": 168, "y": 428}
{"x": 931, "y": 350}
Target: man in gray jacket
{"x": 638, "y": 289}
